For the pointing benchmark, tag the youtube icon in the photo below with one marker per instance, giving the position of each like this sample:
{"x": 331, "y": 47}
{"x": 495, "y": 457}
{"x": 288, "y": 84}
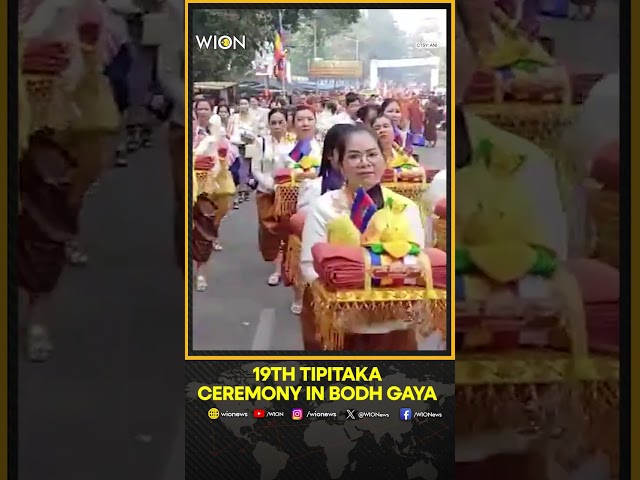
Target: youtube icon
{"x": 259, "y": 413}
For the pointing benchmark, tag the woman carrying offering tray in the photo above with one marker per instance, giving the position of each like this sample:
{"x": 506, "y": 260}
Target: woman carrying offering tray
{"x": 361, "y": 241}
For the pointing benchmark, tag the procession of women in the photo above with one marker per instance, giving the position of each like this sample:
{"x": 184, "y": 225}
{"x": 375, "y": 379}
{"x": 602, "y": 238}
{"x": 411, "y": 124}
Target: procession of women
{"x": 303, "y": 166}
{"x": 351, "y": 225}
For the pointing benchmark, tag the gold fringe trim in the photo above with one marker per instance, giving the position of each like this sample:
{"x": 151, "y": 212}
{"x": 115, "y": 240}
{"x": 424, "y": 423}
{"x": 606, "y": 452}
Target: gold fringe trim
{"x": 286, "y": 199}
{"x": 336, "y": 312}
{"x": 292, "y": 262}
{"x": 572, "y": 418}
{"x": 411, "y": 190}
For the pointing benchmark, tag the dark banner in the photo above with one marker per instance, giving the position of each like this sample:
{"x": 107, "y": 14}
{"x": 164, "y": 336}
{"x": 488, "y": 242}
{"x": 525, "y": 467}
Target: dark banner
{"x": 319, "y": 420}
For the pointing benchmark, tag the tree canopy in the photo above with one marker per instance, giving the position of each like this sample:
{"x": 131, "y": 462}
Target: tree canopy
{"x": 257, "y": 26}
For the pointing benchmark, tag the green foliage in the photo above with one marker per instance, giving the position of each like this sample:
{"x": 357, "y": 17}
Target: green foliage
{"x": 257, "y": 26}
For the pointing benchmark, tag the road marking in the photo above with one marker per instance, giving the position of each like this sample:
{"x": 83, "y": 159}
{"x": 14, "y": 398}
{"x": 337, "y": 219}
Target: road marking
{"x": 264, "y": 332}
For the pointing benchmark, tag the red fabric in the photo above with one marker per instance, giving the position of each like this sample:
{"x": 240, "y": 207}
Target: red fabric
{"x": 282, "y": 175}
{"x": 606, "y": 166}
{"x": 339, "y": 266}
{"x": 296, "y": 224}
{"x": 438, "y": 259}
{"x": 342, "y": 267}
{"x": 599, "y": 282}
{"x": 203, "y": 163}
{"x": 43, "y": 57}
{"x": 441, "y": 208}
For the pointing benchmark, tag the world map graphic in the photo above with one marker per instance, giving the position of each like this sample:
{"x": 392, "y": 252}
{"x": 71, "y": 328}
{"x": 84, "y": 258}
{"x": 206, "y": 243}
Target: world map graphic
{"x": 321, "y": 447}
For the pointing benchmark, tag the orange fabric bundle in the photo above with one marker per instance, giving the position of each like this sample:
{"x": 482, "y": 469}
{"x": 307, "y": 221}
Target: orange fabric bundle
{"x": 343, "y": 268}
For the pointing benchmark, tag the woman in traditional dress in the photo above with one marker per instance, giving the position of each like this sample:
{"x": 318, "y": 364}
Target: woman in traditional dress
{"x": 391, "y": 151}
{"x": 206, "y": 167}
{"x": 330, "y": 176}
{"x": 391, "y": 108}
{"x": 362, "y": 164}
{"x": 203, "y": 110}
{"x": 244, "y": 134}
{"x": 47, "y": 219}
{"x": 272, "y": 156}
{"x": 304, "y": 125}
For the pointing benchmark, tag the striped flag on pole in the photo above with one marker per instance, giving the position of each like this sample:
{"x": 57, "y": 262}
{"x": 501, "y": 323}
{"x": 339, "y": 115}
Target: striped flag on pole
{"x": 279, "y": 52}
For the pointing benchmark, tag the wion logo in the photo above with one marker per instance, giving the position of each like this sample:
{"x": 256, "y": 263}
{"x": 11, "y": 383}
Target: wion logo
{"x": 221, "y": 42}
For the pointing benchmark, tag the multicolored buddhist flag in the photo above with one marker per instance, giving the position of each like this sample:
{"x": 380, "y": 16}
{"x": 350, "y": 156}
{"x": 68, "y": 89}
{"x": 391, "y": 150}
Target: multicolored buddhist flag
{"x": 279, "y": 53}
{"x": 300, "y": 150}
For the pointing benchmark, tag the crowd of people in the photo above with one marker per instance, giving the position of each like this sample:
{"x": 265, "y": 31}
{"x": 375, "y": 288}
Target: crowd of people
{"x": 353, "y": 140}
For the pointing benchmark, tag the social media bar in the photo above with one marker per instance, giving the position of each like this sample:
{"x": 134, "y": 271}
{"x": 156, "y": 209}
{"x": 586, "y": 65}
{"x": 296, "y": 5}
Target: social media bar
{"x": 298, "y": 414}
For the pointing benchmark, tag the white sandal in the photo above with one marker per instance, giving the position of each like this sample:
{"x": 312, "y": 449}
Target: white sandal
{"x": 201, "y": 283}
{"x": 274, "y": 279}
{"x": 75, "y": 255}
{"x": 296, "y": 308}
{"x": 39, "y": 345}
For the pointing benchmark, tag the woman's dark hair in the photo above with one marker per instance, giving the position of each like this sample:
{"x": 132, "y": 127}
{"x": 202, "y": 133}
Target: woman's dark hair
{"x": 224, "y": 105}
{"x": 301, "y": 108}
{"x": 273, "y": 111}
{"x": 387, "y": 102}
{"x": 376, "y": 192}
{"x": 331, "y": 106}
{"x": 201, "y": 100}
{"x": 331, "y": 178}
{"x": 351, "y": 97}
{"x": 363, "y": 113}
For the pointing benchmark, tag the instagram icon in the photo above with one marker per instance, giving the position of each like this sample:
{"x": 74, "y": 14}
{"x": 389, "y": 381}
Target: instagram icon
{"x": 296, "y": 414}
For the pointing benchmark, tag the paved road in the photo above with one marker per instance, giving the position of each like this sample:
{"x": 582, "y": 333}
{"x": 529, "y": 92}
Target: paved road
{"x": 240, "y": 311}
{"x": 107, "y": 406}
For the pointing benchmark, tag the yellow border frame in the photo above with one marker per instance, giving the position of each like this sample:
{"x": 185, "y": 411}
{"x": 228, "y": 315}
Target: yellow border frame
{"x": 451, "y": 172}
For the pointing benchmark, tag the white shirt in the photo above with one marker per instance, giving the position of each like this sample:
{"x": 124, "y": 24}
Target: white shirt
{"x": 437, "y": 189}
{"x": 335, "y": 204}
{"x": 272, "y": 156}
{"x": 343, "y": 118}
{"x": 308, "y": 192}
{"x": 325, "y": 120}
{"x": 241, "y": 125}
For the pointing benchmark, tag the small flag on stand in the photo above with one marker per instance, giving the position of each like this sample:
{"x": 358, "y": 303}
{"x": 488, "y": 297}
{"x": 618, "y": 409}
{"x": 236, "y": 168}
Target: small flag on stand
{"x": 301, "y": 150}
{"x": 362, "y": 210}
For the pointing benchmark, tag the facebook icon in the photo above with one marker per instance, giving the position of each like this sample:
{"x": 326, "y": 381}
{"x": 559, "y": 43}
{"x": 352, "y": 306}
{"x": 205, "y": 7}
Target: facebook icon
{"x": 405, "y": 414}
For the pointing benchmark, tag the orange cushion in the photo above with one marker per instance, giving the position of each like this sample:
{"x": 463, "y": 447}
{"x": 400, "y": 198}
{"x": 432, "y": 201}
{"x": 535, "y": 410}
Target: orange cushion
{"x": 606, "y": 166}
{"x": 441, "y": 208}
{"x": 598, "y": 281}
{"x": 296, "y": 224}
